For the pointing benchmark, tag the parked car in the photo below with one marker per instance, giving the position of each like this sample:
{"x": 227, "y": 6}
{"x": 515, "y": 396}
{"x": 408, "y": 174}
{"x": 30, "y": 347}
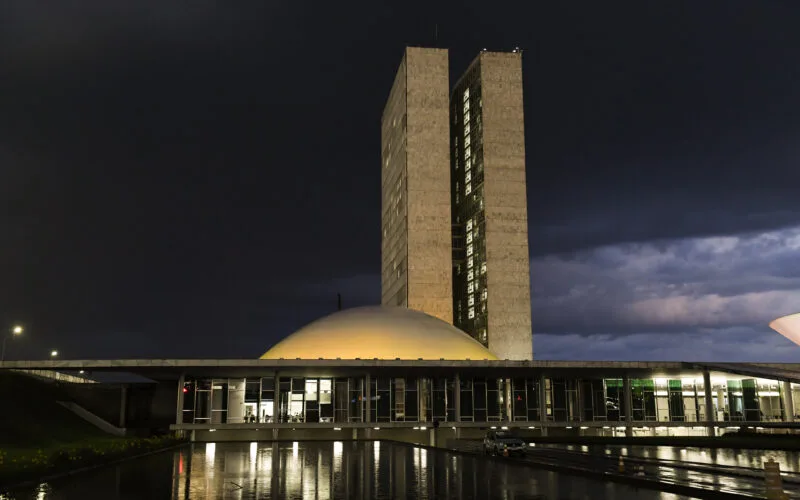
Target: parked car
{"x": 503, "y": 443}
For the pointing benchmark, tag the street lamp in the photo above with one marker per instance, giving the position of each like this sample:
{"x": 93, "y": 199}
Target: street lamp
{"x": 53, "y": 353}
{"x": 15, "y": 330}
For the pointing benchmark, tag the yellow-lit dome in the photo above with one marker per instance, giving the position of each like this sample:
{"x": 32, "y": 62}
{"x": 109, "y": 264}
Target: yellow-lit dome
{"x": 788, "y": 326}
{"x": 379, "y": 332}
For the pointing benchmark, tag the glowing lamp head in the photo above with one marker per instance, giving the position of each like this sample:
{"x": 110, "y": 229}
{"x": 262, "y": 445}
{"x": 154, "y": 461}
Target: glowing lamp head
{"x": 53, "y": 353}
{"x": 17, "y": 330}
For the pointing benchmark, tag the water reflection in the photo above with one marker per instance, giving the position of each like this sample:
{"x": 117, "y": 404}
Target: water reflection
{"x": 375, "y": 470}
{"x": 322, "y": 470}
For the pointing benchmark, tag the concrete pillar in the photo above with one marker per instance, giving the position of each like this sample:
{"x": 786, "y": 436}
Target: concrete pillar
{"x": 368, "y": 397}
{"x": 457, "y": 396}
{"x": 275, "y": 433}
{"x": 543, "y": 404}
{"x": 709, "y": 416}
{"x": 509, "y": 401}
{"x": 355, "y": 433}
{"x": 628, "y": 405}
{"x": 788, "y": 402}
{"x": 123, "y": 406}
{"x": 179, "y": 410}
{"x": 432, "y": 437}
{"x": 276, "y": 405}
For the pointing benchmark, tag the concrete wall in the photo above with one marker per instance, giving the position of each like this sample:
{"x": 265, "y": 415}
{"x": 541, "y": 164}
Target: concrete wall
{"x": 416, "y": 242}
{"x": 505, "y": 198}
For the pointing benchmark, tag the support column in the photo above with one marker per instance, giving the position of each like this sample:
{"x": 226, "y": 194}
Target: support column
{"x": 788, "y": 402}
{"x": 509, "y": 394}
{"x": 276, "y": 405}
{"x": 457, "y": 396}
{"x": 543, "y": 404}
{"x": 179, "y": 410}
{"x": 368, "y": 397}
{"x": 626, "y": 390}
{"x": 355, "y": 433}
{"x": 709, "y": 416}
{"x": 123, "y": 406}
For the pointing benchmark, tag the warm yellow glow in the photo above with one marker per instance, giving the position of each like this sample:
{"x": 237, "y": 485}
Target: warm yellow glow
{"x": 17, "y": 330}
{"x": 379, "y": 332}
{"x": 788, "y": 326}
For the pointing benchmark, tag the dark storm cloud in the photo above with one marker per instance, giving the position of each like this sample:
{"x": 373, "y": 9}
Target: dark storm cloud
{"x": 675, "y": 296}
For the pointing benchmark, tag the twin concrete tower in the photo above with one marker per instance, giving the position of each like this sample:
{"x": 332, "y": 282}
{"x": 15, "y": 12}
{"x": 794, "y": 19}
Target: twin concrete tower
{"x": 454, "y": 207}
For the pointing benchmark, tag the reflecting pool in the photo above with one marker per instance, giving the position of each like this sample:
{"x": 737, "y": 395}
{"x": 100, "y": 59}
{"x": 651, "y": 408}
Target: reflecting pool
{"x": 321, "y": 470}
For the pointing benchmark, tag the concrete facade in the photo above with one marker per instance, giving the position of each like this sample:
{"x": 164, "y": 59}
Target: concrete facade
{"x": 415, "y": 183}
{"x": 490, "y": 222}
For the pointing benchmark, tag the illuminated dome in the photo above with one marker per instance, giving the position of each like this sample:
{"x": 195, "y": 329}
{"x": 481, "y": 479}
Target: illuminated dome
{"x": 788, "y": 326}
{"x": 379, "y": 332}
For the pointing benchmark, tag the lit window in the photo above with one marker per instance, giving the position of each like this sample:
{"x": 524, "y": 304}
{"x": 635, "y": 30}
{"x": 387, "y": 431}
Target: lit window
{"x": 466, "y": 130}
{"x": 476, "y": 231}
{"x": 483, "y": 267}
{"x": 483, "y": 335}
{"x": 469, "y": 250}
{"x": 467, "y": 140}
{"x": 469, "y": 225}
{"x": 470, "y": 287}
{"x": 466, "y": 117}
{"x": 468, "y": 176}
{"x": 466, "y": 107}
{"x": 466, "y": 94}
{"x": 470, "y": 276}
{"x": 485, "y": 294}
{"x": 471, "y": 313}
{"x": 469, "y": 263}
{"x": 469, "y": 237}
{"x": 467, "y": 152}
{"x": 468, "y": 188}
{"x": 471, "y": 301}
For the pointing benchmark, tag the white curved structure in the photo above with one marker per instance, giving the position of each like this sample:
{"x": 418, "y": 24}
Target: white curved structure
{"x": 788, "y": 326}
{"x": 379, "y": 332}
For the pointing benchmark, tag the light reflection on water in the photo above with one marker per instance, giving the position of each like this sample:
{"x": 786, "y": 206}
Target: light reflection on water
{"x": 381, "y": 471}
{"x": 321, "y": 470}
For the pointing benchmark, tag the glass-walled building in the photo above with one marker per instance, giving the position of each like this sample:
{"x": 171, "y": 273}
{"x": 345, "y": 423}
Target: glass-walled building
{"x": 514, "y": 395}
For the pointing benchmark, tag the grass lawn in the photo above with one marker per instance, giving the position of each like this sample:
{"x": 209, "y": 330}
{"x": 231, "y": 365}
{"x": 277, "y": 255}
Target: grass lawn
{"x": 38, "y": 436}
{"x": 34, "y": 427}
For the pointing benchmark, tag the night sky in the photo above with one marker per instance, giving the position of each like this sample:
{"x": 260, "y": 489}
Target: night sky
{"x": 200, "y": 179}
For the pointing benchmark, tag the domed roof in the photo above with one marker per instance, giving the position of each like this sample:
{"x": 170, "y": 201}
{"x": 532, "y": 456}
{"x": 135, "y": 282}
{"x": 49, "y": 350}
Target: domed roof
{"x": 788, "y": 326}
{"x": 379, "y": 332}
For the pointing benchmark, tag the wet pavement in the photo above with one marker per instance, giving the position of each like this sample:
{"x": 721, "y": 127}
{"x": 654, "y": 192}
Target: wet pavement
{"x": 720, "y": 470}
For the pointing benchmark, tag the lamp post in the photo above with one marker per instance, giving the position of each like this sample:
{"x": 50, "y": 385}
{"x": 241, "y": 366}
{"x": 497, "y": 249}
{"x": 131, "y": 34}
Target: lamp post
{"x": 15, "y": 331}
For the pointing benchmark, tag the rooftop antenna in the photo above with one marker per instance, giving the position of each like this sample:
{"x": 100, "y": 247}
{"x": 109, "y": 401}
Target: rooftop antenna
{"x": 339, "y": 300}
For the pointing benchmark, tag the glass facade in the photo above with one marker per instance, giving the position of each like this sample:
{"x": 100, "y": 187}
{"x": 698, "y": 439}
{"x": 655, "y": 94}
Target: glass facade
{"x": 470, "y": 295}
{"x": 482, "y": 399}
